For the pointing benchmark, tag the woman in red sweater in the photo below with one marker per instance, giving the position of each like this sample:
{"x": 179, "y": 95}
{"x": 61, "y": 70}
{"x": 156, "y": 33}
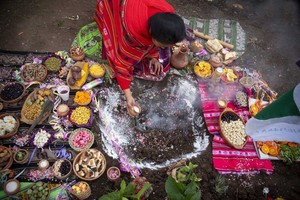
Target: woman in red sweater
{"x": 136, "y": 34}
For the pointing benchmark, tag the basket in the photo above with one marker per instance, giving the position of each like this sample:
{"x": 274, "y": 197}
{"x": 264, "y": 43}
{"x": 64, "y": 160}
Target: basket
{"x": 93, "y": 152}
{"x": 87, "y": 146}
{"x": 56, "y": 68}
{"x": 25, "y": 158}
{"x": 16, "y": 99}
{"x": 113, "y": 178}
{"x": 227, "y": 141}
{"x": 23, "y": 111}
{"x": 38, "y": 69}
{"x": 65, "y": 176}
{"x": 13, "y": 132}
{"x": 83, "y": 195}
{"x": 10, "y": 159}
{"x": 197, "y": 71}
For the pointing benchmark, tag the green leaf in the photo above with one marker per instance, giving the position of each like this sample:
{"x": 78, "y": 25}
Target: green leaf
{"x": 191, "y": 189}
{"x": 123, "y": 187}
{"x": 110, "y": 196}
{"x": 129, "y": 190}
{"x": 174, "y": 190}
{"x": 196, "y": 196}
{"x": 145, "y": 187}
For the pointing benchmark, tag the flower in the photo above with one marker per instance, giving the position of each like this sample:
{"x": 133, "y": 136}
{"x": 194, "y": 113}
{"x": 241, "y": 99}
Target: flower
{"x": 41, "y": 138}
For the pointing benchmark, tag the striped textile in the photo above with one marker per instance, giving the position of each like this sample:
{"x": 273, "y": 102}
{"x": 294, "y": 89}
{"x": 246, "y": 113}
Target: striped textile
{"x": 231, "y": 161}
{"x": 228, "y": 160}
{"x": 211, "y": 111}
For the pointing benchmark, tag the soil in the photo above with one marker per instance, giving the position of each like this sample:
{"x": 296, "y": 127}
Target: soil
{"x": 273, "y": 31}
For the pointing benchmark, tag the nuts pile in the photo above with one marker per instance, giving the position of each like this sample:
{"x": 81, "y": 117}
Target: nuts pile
{"x": 234, "y": 131}
{"x": 61, "y": 167}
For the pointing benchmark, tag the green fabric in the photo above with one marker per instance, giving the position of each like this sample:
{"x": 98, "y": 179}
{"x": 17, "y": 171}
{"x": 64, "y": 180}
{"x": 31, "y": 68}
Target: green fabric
{"x": 90, "y": 40}
{"x": 284, "y": 106}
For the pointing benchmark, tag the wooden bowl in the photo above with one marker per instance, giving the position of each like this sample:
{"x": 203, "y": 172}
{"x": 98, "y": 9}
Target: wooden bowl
{"x": 24, "y": 110}
{"x": 225, "y": 138}
{"x": 26, "y": 157}
{"x": 40, "y": 72}
{"x": 15, "y": 130}
{"x": 77, "y": 56}
{"x": 7, "y": 184}
{"x": 66, "y": 175}
{"x": 83, "y": 195}
{"x": 87, "y": 102}
{"x": 87, "y": 146}
{"x": 16, "y": 99}
{"x": 100, "y": 75}
{"x": 9, "y": 161}
{"x": 113, "y": 178}
{"x": 90, "y": 153}
{"x": 199, "y": 72}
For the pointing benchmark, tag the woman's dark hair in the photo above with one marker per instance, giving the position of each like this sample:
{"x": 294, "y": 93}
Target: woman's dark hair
{"x": 167, "y": 28}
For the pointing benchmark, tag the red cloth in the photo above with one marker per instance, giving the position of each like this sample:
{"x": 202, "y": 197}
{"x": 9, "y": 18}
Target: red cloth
{"x": 228, "y": 160}
{"x": 124, "y": 28}
{"x": 232, "y": 161}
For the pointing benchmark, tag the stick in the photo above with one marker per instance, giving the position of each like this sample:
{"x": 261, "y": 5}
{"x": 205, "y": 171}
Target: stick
{"x": 207, "y": 37}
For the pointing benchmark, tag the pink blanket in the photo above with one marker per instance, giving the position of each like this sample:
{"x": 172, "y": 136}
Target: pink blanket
{"x": 228, "y": 160}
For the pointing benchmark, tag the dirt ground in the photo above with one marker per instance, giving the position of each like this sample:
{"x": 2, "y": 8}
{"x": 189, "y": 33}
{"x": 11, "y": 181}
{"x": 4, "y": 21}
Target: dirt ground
{"x": 273, "y": 32}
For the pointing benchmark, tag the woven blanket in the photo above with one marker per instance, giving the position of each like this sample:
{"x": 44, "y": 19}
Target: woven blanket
{"x": 231, "y": 161}
{"x": 228, "y": 160}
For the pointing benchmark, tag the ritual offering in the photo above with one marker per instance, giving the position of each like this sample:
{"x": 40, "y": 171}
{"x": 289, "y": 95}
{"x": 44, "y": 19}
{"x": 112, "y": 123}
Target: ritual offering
{"x": 213, "y": 46}
{"x": 83, "y": 98}
{"x": 241, "y": 99}
{"x": 81, "y": 116}
{"x": 229, "y": 76}
{"x": 196, "y": 46}
{"x": 222, "y": 103}
{"x": 97, "y": 71}
{"x": 216, "y": 60}
{"x": 21, "y": 156}
{"x": 39, "y": 190}
{"x": 6, "y": 158}
{"x": 203, "y": 69}
{"x": 34, "y": 72}
{"x": 135, "y": 111}
{"x": 12, "y": 92}
{"x": 63, "y": 110}
{"x": 81, "y": 190}
{"x": 33, "y": 105}
{"x": 77, "y": 75}
{"x": 89, "y": 165}
{"x": 232, "y": 129}
{"x": 62, "y": 168}
{"x": 53, "y": 62}
{"x": 9, "y": 125}
{"x": 77, "y": 53}
{"x": 81, "y": 139}
{"x": 11, "y": 187}
{"x": 41, "y": 138}
{"x": 113, "y": 173}
{"x": 43, "y": 165}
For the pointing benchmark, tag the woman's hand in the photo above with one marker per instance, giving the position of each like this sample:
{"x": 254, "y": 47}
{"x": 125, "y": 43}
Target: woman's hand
{"x": 130, "y": 102}
{"x": 155, "y": 66}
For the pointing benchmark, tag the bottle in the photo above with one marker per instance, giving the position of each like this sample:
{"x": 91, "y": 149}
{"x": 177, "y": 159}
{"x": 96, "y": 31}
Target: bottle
{"x": 217, "y": 75}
